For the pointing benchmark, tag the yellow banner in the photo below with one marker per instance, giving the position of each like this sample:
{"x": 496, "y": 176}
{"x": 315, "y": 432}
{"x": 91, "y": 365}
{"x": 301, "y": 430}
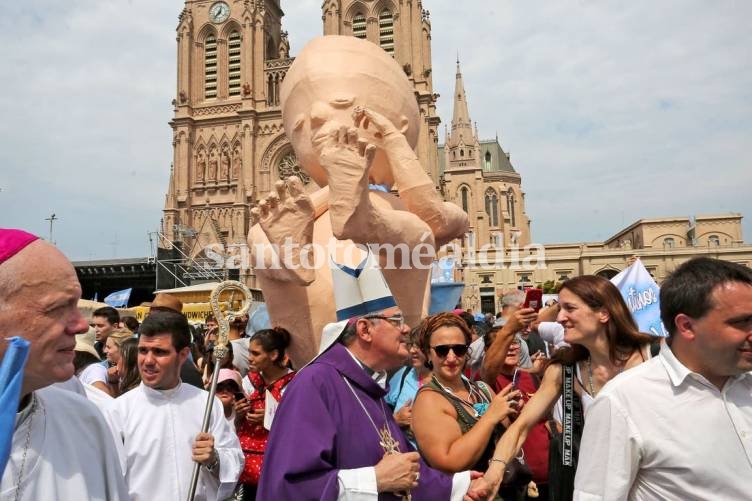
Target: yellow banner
{"x": 194, "y": 312}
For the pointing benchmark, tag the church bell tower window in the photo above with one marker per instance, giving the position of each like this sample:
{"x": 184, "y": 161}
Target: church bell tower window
{"x": 359, "y": 26}
{"x": 233, "y": 64}
{"x": 210, "y": 67}
{"x": 386, "y": 31}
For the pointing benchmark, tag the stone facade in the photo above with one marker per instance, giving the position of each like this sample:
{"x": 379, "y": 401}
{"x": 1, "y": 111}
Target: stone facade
{"x": 662, "y": 244}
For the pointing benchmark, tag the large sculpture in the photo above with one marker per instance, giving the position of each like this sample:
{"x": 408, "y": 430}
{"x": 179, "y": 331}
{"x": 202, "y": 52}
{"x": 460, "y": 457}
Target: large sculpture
{"x": 351, "y": 116}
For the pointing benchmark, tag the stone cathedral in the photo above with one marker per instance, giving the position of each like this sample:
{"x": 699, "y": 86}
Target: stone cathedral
{"x": 229, "y": 146}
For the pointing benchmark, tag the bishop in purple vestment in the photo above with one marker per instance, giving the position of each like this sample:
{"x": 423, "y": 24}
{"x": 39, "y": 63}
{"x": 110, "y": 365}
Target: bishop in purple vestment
{"x": 320, "y": 428}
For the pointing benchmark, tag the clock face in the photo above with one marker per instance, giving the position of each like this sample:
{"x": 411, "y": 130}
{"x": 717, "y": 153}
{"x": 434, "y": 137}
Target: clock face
{"x": 219, "y": 12}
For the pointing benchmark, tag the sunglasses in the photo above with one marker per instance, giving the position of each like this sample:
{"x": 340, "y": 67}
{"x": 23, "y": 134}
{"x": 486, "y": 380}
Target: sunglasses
{"x": 397, "y": 320}
{"x": 442, "y": 350}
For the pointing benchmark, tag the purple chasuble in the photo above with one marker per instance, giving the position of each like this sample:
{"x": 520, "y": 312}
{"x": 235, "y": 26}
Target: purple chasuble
{"x": 320, "y": 428}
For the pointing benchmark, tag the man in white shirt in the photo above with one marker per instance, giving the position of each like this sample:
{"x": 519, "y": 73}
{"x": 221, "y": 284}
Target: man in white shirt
{"x": 61, "y": 447}
{"x": 159, "y": 423}
{"x": 679, "y": 426}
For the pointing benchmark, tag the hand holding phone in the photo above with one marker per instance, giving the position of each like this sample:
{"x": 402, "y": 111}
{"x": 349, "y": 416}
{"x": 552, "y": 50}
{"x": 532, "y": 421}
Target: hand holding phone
{"x": 534, "y": 299}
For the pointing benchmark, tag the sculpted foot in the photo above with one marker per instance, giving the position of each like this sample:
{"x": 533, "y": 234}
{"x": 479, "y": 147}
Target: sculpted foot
{"x": 286, "y": 217}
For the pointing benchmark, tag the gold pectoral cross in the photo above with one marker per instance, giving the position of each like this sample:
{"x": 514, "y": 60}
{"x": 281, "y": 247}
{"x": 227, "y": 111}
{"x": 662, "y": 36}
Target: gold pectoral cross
{"x": 391, "y": 446}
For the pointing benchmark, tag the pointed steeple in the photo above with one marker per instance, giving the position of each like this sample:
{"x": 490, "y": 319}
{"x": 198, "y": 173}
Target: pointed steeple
{"x": 172, "y": 196}
{"x": 461, "y": 124}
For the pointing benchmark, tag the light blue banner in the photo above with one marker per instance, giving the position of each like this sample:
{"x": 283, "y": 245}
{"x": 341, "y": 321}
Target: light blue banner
{"x": 641, "y": 294}
{"x": 11, "y": 379}
{"x": 119, "y": 299}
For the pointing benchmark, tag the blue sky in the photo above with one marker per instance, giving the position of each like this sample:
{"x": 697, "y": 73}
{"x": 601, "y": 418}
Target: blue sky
{"x": 612, "y": 111}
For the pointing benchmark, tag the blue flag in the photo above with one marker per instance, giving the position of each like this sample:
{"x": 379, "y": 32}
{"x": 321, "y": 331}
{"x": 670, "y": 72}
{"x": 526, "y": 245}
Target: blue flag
{"x": 641, "y": 294}
{"x": 11, "y": 378}
{"x": 119, "y": 299}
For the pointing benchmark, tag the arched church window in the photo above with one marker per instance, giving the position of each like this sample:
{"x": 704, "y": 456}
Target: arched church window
{"x": 510, "y": 207}
{"x": 386, "y": 31}
{"x": 462, "y": 153}
{"x": 359, "y": 26}
{"x": 487, "y": 164}
{"x": 288, "y": 166}
{"x": 210, "y": 67}
{"x": 464, "y": 197}
{"x": 714, "y": 241}
{"x": 669, "y": 243}
{"x": 492, "y": 208}
{"x": 233, "y": 64}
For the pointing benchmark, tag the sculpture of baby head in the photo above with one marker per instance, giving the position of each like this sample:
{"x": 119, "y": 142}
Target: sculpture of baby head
{"x": 329, "y": 78}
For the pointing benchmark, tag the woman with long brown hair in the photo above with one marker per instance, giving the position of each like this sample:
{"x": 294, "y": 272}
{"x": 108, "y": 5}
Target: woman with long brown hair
{"x": 604, "y": 341}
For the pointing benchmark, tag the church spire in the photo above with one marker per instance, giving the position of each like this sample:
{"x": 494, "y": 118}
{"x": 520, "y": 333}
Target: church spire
{"x": 171, "y": 198}
{"x": 461, "y": 124}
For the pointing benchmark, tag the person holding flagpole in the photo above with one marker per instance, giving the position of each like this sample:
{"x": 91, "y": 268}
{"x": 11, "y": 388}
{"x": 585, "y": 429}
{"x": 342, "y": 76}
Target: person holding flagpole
{"x": 60, "y": 446}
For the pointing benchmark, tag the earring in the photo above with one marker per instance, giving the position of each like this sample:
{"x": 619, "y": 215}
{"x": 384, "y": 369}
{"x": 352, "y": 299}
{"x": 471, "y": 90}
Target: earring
{"x": 428, "y": 364}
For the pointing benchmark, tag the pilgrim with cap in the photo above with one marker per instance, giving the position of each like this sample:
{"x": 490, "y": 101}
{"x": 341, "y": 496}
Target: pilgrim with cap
{"x": 57, "y": 444}
{"x": 333, "y": 436}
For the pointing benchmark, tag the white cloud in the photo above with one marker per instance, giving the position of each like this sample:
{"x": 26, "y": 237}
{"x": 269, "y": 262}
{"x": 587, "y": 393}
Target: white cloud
{"x": 612, "y": 111}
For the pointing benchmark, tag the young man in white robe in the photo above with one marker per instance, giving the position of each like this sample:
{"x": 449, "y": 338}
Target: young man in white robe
{"x": 159, "y": 423}
{"x": 61, "y": 447}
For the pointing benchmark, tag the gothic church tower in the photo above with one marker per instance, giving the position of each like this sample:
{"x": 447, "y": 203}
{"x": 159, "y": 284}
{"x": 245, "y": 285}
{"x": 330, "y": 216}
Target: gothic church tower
{"x": 478, "y": 176}
{"x": 228, "y": 141}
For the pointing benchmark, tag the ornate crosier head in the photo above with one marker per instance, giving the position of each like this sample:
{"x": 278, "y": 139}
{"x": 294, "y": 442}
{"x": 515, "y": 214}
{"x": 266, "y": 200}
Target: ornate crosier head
{"x": 224, "y": 319}
{"x": 330, "y": 77}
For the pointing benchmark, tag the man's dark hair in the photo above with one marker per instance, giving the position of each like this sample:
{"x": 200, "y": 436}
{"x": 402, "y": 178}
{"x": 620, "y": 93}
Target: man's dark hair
{"x": 167, "y": 322}
{"x": 109, "y": 313}
{"x": 131, "y": 323}
{"x": 468, "y": 318}
{"x": 689, "y": 289}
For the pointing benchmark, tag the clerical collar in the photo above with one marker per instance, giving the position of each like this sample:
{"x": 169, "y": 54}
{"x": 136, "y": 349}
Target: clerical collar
{"x": 379, "y": 377}
{"x": 169, "y": 393}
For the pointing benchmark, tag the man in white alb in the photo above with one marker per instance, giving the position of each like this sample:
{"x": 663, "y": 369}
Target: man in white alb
{"x": 679, "y": 426}
{"x": 61, "y": 447}
{"x": 159, "y": 423}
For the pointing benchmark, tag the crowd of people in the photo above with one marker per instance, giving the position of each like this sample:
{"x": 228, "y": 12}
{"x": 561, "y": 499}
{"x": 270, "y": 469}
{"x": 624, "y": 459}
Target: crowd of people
{"x": 569, "y": 402}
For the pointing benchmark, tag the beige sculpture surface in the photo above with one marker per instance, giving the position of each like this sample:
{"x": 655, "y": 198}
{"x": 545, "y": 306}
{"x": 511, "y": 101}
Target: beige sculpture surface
{"x": 351, "y": 116}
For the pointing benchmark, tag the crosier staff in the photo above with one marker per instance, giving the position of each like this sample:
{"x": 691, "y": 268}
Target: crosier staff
{"x": 219, "y": 352}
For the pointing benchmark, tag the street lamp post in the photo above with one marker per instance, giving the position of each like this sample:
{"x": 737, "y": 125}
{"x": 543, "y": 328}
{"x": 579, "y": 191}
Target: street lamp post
{"x": 51, "y": 219}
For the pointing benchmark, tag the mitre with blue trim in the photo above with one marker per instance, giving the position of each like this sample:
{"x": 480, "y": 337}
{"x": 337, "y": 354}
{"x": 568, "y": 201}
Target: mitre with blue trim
{"x": 358, "y": 292}
{"x": 361, "y": 290}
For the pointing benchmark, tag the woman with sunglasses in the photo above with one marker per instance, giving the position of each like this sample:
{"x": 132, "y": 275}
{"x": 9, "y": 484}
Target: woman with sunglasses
{"x": 604, "y": 341}
{"x": 456, "y": 421}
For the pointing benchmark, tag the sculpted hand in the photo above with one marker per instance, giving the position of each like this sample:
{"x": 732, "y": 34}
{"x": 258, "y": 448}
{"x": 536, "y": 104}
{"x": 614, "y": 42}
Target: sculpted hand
{"x": 397, "y": 472}
{"x": 203, "y": 449}
{"x": 506, "y": 403}
{"x": 404, "y": 416}
{"x": 381, "y": 126}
